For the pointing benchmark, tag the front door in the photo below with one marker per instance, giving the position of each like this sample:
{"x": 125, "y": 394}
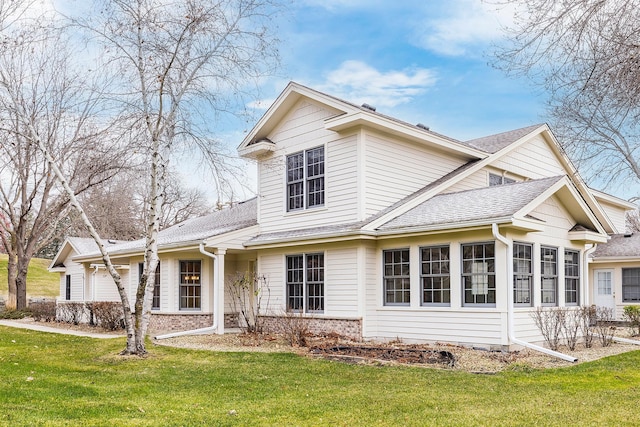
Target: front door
{"x": 604, "y": 296}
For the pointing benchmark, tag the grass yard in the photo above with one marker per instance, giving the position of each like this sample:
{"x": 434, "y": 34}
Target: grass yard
{"x": 60, "y": 380}
{"x": 40, "y": 283}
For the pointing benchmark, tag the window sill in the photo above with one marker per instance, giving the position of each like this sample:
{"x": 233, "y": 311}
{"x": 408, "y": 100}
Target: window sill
{"x": 306, "y": 211}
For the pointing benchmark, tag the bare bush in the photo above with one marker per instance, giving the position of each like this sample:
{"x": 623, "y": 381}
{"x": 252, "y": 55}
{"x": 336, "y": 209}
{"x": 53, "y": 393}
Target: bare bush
{"x": 550, "y": 323}
{"x": 247, "y": 290}
{"x": 295, "y": 327}
{"x": 632, "y": 315}
{"x": 43, "y": 311}
{"x": 588, "y": 321}
{"x": 604, "y": 329}
{"x": 71, "y": 312}
{"x": 109, "y": 315}
{"x": 571, "y": 326}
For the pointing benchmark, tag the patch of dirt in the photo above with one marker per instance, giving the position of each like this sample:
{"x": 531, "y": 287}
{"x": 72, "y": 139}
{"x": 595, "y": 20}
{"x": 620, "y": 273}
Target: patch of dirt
{"x": 333, "y": 347}
{"x": 437, "y": 355}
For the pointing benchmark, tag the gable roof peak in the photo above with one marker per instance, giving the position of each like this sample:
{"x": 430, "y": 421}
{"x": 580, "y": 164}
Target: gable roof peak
{"x": 496, "y": 142}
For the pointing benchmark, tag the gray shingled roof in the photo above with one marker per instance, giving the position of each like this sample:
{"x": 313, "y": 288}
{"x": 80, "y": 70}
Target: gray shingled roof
{"x": 237, "y": 217}
{"x": 494, "y": 143}
{"x": 472, "y": 205}
{"x": 619, "y": 245}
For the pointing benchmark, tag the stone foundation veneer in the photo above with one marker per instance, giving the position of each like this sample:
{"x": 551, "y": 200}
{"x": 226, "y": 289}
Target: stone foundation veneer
{"x": 349, "y": 328}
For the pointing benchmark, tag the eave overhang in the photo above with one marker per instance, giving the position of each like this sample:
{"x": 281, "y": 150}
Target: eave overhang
{"x": 587, "y": 236}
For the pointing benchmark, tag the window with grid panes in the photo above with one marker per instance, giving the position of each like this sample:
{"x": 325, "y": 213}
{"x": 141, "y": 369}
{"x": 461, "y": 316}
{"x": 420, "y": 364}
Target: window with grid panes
{"x": 190, "y": 285}
{"x": 305, "y": 283}
{"x": 305, "y": 179}
{"x": 631, "y": 284}
{"x": 522, "y": 274}
{"x": 479, "y": 274}
{"x": 397, "y": 287}
{"x": 549, "y": 275}
{"x": 571, "y": 277}
{"x": 434, "y": 275}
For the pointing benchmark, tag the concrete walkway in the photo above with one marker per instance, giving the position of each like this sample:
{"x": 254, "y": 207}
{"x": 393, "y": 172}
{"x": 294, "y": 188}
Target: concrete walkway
{"x": 34, "y": 326}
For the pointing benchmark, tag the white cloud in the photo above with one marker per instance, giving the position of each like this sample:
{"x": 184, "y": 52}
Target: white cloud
{"x": 465, "y": 27}
{"x": 358, "y": 82}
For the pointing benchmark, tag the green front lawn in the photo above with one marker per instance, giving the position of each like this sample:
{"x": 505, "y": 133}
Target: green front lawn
{"x": 54, "y": 380}
{"x": 40, "y": 283}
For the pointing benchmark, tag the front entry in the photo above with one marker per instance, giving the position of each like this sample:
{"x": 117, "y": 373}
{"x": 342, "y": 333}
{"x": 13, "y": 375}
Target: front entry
{"x": 604, "y": 296}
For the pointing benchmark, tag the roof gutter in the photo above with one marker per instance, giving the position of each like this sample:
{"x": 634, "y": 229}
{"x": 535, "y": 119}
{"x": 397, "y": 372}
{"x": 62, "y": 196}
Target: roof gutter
{"x": 510, "y": 321}
{"x": 216, "y": 294}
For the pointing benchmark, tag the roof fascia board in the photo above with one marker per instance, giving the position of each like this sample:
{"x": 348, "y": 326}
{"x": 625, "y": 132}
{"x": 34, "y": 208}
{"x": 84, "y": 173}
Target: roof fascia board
{"x": 287, "y": 98}
{"x": 365, "y": 119}
{"x": 63, "y": 247}
{"x": 460, "y": 226}
{"x": 564, "y": 182}
{"x": 609, "y": 259}
{"x": 613, "y": 200}
{"x": 308, "y": 240}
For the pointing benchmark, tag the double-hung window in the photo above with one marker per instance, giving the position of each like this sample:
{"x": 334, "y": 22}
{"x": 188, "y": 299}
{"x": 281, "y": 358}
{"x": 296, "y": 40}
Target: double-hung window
{"x": 631, "y": 284}
{"x": 305, "y": 179}
{"x": 571, "y": 277}
{"x": 397, "y": 286}
{"x": 190, "y": 285}
{"x": 435, "y": 275}
{"x": 522, "y": 274}
{"x": 479, "y": 274}
{"x": 549, "y": 275}
{"x": 155, "y": 305}
{"x": 305, "y": 283}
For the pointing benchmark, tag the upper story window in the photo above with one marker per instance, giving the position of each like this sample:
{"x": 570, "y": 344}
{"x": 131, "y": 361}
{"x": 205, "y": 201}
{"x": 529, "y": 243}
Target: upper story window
{"x": 305, "y": 179}
{"x": 499, "y": 180}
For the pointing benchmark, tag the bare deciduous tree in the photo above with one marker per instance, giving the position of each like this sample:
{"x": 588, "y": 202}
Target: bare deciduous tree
{"x": 181, "y": 64}
{"x": 584, "y": 54}
{"x": 38, "y": 90}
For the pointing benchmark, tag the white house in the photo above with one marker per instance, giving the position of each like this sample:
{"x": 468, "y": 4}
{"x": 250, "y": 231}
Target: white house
{"x": 380, "y": 229}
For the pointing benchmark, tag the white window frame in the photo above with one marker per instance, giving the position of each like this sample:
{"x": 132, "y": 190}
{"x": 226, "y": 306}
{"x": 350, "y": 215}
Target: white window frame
{"x": 437, "y": 274}
{"x": 548, "y": 276}
{"x": 312, "y": 174}
{"x": 192, "y": 280}
{"x": 571, "y": 278}
{"x": 478, "y": 276}
{"x": 521, "y": 275}
{"x": 311, "y": 294}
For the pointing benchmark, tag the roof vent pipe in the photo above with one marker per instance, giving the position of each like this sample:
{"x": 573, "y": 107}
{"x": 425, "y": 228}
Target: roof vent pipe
{"x": 422, "y": 126}
{"x": 369, "y": 107}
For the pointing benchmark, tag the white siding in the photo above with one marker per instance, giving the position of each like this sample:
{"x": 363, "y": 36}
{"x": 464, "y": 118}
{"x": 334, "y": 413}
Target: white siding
{"x": 105, "y": 287}
{"x": 478, "y": 179}
{"x": 77, "y": 273}
{"x": 272, "y": 267}
{"x": 303, "y": 129}
{"x": 341, "y": 282}
{"x": 616, "y": 215}
{"x": 395, "y": 169}
{"x": 531, "y": 160}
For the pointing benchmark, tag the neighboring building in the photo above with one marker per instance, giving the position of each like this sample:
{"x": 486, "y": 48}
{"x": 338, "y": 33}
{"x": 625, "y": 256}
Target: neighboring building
{"x": 379, "y": 229}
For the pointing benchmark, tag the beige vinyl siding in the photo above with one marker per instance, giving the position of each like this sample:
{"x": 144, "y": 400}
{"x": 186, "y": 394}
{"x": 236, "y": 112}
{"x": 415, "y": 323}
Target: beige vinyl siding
{"x": 616, "y": 215}
{"x": 531, "y": 160}
{"x": 478, "y": 179}
{"x": 341, "y": 282}
{"x": 477, "y": 327}
{"x": 304, "y": 129}
{"x": 524, "y": 326}
{"x": 76, "y": 271}
{"x": 557, "y": 220}
{"x": 616, "y": 283}
{"x": 105, "y": 287}
{"x": 395, "y": 169}
{"x": 272, "y": 267}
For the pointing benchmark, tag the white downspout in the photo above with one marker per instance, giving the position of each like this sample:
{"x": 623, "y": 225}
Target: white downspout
{"x": 510, "y": 322}
{"x": 216, "y": 292}
{"x": 585, "y": 270}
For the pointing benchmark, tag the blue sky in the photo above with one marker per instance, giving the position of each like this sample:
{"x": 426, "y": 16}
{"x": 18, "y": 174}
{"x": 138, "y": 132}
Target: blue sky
{"x": 420, "y": 61}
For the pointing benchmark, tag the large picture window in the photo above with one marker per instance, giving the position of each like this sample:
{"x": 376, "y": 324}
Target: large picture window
{"x": 435, "y": 275}
{"x": 479, "y": 274}
{"x": 305, "y": 283}
{"x": 571, "y": 277}
{"x": 155, "y": 305}
{"x": 631, "y": 284}
{"x": 549, "y": 275}
{"x": 305, "y": 179}
{"x": 397, "y": 288}
{"x": 190, "y": 285}
{"x": 522, "y": 274}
